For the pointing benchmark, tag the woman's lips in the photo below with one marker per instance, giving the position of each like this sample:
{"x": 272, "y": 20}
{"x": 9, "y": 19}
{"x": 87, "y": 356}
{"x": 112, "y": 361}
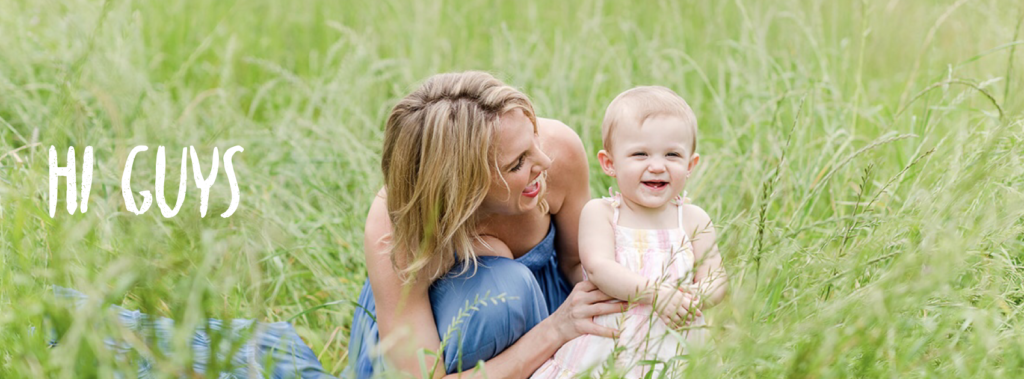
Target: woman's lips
{"x": 533, "y": 189}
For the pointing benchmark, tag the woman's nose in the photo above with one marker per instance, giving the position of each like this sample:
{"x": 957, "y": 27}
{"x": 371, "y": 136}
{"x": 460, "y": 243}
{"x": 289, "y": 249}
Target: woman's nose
{"x": 543, "y": 161}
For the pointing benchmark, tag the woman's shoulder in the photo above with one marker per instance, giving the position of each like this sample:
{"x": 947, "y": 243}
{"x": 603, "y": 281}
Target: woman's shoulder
{"x": 564, "y": 147}
{"x": 559, "y": 134}
{"x": 569, "y": 172}
{"x": 378, "y": 226}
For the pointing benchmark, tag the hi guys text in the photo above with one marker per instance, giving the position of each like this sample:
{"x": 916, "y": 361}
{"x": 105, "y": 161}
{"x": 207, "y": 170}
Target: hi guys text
{"x": 69, "y": 172}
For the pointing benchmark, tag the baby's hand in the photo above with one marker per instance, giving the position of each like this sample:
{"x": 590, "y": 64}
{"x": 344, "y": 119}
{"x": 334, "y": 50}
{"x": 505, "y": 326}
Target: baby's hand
{"x": 677, "y": 306}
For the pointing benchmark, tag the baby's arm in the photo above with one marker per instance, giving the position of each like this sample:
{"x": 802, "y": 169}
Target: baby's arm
{"x": 709, "y": 278}
{"x": 597, "y": 251}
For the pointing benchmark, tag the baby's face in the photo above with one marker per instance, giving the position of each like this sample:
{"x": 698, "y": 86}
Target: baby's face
{"x": 651, "y": 162}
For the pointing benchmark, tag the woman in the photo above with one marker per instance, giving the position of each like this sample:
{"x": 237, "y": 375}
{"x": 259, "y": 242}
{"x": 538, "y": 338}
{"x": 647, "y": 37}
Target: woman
{"x": 461, "y": 247}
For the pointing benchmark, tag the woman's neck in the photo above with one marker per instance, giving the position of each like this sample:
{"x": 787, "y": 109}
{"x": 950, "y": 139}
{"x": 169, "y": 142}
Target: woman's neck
{"x": 520, "y": 232}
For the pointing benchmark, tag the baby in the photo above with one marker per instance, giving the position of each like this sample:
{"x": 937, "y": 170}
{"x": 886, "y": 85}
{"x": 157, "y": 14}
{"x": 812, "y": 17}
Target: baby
{"x": 646, "y": 245}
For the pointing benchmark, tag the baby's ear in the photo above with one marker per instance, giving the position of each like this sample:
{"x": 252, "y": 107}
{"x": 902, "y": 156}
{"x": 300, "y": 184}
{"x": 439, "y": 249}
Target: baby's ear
{"x": 694, "y": 159}
{"x": 606, "y": 163}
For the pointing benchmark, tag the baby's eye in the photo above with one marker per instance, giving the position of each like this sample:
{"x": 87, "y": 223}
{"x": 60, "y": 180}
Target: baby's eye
{"x": 673, "y": 154}
{"x": 639, "y": 154}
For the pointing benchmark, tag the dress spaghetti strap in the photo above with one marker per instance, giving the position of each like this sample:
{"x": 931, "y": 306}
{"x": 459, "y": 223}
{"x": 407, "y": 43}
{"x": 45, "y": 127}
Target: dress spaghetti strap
{"x": 615, "y": 199}
{"x": 679, "y": 212}
{"x": 615, "y": 209}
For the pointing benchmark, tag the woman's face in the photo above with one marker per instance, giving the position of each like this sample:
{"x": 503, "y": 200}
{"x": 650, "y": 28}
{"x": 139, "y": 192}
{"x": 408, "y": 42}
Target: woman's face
{"x": 521, "y": 165}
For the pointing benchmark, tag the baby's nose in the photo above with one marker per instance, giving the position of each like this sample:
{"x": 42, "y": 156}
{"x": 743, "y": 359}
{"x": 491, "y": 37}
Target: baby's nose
{"x": 656, "y": 166}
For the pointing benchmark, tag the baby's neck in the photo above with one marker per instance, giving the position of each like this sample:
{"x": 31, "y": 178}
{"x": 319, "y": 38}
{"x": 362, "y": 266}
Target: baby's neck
{"x": 632, "y": 215}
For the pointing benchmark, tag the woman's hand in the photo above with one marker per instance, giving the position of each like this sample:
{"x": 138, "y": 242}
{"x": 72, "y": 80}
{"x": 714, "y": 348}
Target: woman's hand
{"x": 575, "y": 316}
{"x": 677, "y": 307}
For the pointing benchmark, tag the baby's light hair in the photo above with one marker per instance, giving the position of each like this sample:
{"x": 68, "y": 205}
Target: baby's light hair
{"x": 636, "y": 105}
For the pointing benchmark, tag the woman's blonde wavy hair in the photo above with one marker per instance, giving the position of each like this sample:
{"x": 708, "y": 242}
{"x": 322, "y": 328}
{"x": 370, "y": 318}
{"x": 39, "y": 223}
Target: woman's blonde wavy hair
{"x": 437, "y": 161}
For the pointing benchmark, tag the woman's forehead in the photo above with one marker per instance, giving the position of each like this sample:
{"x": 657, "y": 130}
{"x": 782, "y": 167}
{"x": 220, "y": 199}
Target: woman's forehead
{"x": 515, "y": 118}
{"x": 514, "y": 135}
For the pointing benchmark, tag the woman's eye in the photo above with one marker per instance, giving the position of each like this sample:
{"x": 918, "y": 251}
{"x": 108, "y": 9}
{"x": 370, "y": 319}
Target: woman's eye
{"x": 518, "y": 165}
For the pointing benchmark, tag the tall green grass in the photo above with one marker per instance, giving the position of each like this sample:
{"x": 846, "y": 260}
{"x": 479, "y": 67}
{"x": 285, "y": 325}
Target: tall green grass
{"x": 863, "y": 162}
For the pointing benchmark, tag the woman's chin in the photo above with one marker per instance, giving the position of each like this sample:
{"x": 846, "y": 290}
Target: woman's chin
{"x": 529, "y": 205}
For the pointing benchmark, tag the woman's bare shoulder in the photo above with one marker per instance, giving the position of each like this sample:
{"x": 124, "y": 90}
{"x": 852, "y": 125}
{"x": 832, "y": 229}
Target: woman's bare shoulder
{"x": 559, "y": 134}
{"x": 378, "y": 226}
{"x": 569, "y": 172}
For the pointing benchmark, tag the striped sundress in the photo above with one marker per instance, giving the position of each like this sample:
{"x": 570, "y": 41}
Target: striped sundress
{"x": 645, "y": 343}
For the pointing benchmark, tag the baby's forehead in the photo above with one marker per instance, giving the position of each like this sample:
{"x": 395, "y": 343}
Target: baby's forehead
{"x": 666, "y": 121}
{"x": 665, "y": 130}
{"x": 674, "y": 119}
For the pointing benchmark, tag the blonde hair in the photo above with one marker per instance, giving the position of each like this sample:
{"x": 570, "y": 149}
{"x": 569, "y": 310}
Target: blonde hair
{"x": 437, "y": 161}
{"x": 636, "y": 105}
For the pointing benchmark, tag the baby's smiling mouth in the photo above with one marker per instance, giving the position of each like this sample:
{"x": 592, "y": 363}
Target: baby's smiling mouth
{"x": 655, "y": 184}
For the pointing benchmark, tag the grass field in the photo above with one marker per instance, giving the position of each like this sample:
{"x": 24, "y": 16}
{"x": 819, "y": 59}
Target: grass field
{"x": 863, "y": 162}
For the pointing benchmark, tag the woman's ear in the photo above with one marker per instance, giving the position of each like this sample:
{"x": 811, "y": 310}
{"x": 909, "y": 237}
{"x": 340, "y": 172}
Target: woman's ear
{"x": 694, "y": 160}
{"x": 606, "y": 163}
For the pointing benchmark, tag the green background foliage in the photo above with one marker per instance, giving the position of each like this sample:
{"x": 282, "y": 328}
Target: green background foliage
{"x": 862, "y": 161}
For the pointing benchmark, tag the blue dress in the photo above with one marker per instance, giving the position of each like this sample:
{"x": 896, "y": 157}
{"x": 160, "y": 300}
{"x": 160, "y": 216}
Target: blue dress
{"x": 266, "y": 350}
{"x": 532, "y": 285}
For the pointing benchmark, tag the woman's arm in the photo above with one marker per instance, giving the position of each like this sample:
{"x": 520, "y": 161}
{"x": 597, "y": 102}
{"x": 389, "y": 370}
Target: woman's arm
{"x": 404, "y": 316}
{"x": 406, "y": 322}
{"x": 710, "y": 277}
{"x": 573, "y": 318}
